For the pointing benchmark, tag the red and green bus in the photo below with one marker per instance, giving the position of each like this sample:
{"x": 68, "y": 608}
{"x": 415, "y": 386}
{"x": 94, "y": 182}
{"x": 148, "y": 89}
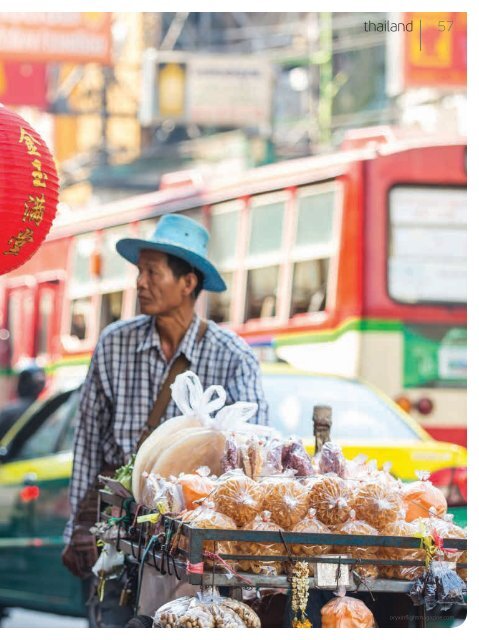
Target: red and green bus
{"x": 352, "y": 263}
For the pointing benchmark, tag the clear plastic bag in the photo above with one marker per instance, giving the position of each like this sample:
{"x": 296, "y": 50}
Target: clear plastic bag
{"x": 272, "y": 464}
{"x": 440, "y": 586}
{"x": 421, "y": 497}
{"x": 446, "y": 528}
{"x": 161, "y": 494}
{"x": 206, "y": 517}
{"x": 358, "y": 527}
{"x": 310, "y": 524}
{"x": 238, "y": 497}
{"x": 345, "y": 612}
{"x": 261, "y": 522}
{"x": 398, "y": 572}
{"x": 449, "y": 586}
{"x": 286, "y": 499}
{"x": 377, "y": 504}
{"x": 168, "y": 614}
{"x": 110, "y": 562}
{"x": 206, "y": 610}
{"x": 294, "y": 456}
{"x": 331, "y": 459}
{"x": 331, "y": 497}
{"x": 248, "y": 616}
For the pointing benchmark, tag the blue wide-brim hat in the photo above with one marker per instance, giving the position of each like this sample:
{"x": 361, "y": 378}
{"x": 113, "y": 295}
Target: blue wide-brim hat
{"x": 179, "y": 236}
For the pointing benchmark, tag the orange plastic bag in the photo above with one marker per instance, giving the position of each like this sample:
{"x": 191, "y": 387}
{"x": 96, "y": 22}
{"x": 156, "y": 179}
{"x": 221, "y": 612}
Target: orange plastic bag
{"x": 196, "y": 486}
{"x": 422, "y": 498}
{"x": 344, "y": 612}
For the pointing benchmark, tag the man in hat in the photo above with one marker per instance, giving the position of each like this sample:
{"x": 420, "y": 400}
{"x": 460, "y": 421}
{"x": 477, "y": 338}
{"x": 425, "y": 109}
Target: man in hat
{"x": 134, "y": 359}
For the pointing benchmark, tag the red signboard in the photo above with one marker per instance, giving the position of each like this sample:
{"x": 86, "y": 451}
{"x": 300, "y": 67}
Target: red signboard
{"x": 23, "y": 84}
{"x": 56, "y": 37}
{"x": 435, "y": 51}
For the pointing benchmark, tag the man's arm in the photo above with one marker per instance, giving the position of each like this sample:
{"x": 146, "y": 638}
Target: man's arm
{"x": 245, "y": 385}
{"x": 92, "y": 420}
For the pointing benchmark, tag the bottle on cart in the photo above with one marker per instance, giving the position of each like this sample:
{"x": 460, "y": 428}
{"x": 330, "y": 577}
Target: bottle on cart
{"x": 322, "y": 423}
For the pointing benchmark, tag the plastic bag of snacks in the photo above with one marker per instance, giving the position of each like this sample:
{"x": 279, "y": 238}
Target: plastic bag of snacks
{"x": 376, "y": 503}
{"x": 294, "y": 456}
{"x": 310, "y": 524}
{"x": 168, "y": 614}
{"x": 439, "y": 586}
{"x": 272, "y": 464}
{"x": 286, "y": 499}
{"x": 345, "y": 612}
{"x": 261, "y": 522}
{"x": 331, "y": 497}
{"x": 446, "y": 528}
{"x": 248, "y": 454}
{"x": 409, "y": 530}
{"x": 196, "y": 486}
{"x": 358, "y": 527}
{"x": 207, "y": 609}
{"x": 206, "y": 517}
{"x": 161, "y": 494}
{"x": 238, "y": 497}
{"x": 422, "y": 496}
{"x": 331, "y": 459}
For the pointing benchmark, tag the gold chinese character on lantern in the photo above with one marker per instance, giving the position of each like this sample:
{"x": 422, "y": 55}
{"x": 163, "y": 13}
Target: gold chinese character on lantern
{"x": 29, "y": 142}
{"x": 34, "y": 209}
{"x": 17, "y": 242}
{"x": 39, "y": 176}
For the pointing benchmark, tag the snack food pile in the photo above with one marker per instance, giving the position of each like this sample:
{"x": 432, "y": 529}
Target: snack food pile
{"x": 220, "y": 472}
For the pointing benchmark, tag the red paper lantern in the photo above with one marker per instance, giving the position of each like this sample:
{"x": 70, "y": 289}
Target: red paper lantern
{"x": 28, "y": 190}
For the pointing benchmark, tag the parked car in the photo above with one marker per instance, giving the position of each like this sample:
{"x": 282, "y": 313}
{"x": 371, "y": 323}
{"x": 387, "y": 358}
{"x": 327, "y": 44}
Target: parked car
{"x": 36, "y": 461}
{"x": 364, "y": 420}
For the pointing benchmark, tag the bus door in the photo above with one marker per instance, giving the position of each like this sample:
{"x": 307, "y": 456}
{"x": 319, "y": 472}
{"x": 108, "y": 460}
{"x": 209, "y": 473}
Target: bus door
{"x": 47, "y": 319}
{"x": 18, "y": 342}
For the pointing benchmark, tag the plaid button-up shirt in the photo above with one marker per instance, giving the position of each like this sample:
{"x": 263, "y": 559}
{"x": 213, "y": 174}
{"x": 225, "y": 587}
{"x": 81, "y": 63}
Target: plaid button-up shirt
{"x": 123, "y": 381}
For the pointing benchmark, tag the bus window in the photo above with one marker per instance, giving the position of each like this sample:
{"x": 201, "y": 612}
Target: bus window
{"x": 427, "y": 245}
{"x": 266, "y": 227}
{"x": 113, "y": 266}
{"x": 223, "y": 248}
{"x": 316, "y": 207}
{"x": 309, "y": 286}
{"x": 81, "y": 310}
{"x": 83, "y": 249}
{"x": 313, "y": 247}
{"x": 46, "y": 310}
{"x": 219, "y": 304}
{"x": 261, "y": 293}
{"x": 264, "y": 255}
{"x": 111, "y": 304}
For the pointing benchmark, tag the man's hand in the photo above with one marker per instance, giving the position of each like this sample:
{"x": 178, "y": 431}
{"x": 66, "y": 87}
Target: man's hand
{"x": 81, "y": 553}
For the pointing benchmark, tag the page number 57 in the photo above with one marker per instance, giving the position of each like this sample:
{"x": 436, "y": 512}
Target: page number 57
{"x": 445, "y": 25}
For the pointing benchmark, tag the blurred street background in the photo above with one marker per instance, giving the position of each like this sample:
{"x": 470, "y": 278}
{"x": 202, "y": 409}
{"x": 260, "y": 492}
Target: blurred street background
{"x": 149, "y": 93}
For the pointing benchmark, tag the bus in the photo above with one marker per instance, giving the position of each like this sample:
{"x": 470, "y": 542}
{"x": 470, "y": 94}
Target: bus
{"x": 351, "y": 263}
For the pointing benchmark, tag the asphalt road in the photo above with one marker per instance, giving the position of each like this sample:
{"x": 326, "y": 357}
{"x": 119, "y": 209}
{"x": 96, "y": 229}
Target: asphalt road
{"x": 23, "y": 618}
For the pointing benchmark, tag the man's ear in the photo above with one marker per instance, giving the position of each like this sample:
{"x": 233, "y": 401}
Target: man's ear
{"x": 191, "y": 281}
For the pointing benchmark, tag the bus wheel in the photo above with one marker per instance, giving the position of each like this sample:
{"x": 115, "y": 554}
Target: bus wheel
{"x": 143, "y": 622}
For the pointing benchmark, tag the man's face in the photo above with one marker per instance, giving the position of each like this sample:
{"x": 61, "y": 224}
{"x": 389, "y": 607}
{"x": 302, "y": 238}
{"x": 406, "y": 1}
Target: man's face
{"x": 159, "y": 292}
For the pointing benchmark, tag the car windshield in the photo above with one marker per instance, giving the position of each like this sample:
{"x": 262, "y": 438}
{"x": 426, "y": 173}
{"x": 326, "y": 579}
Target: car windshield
{"x": 358, "y": 412}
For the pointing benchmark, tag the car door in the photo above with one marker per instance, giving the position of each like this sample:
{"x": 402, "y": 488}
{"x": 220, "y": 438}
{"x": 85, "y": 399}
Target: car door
{"x": 34, "y": 507}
